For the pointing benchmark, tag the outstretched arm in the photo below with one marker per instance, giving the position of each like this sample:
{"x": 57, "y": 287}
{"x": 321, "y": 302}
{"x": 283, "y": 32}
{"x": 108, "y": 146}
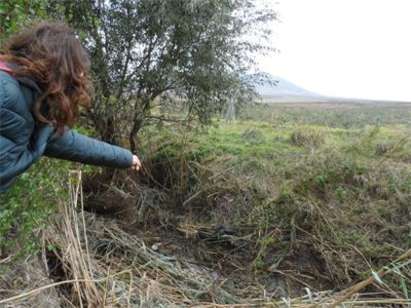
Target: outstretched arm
{"x": 76, "y": 147}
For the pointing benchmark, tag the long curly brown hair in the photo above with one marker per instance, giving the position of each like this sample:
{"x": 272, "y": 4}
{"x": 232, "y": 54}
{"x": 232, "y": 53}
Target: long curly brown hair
{"x": 51, "y": 54}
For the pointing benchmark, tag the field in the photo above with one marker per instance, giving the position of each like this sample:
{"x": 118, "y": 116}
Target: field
{"x": 289, "y": 205}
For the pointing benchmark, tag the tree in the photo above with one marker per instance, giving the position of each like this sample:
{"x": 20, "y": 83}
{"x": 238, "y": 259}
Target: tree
{"x": 143, "y": 50}
{"x": 16, "y": 13}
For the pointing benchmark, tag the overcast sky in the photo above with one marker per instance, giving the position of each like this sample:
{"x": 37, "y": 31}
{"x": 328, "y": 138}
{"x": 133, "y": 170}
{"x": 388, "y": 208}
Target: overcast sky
{"x": 347, "y": 48}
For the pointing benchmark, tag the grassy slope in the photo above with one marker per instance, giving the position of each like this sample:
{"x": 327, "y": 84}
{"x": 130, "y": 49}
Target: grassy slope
{"x": 326, "y": 203}
{"x": 283, "y": 199}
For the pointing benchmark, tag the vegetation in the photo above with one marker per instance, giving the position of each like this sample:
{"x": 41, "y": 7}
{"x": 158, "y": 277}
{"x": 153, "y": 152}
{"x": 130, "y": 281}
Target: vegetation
{"x": 292, "y": 204}
{"x": 253, "y": 207}
{"x": 17, "y": 13}
{"x": 196, "y": 51}
{"x": 335, "y": 115}
{"x": 318, "y": 206}
{"x": 26, "y": 207}
{"x": 290, "y": 194}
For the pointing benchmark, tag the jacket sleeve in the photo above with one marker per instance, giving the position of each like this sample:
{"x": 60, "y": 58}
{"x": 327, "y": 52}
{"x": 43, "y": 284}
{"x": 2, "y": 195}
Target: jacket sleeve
{"x": 79, "y": 148}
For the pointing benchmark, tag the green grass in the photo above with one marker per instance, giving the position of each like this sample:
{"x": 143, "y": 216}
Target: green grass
{"x": 343, "y": 115}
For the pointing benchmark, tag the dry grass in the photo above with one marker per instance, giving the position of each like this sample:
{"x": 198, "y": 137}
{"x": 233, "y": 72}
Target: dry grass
{"x": 95, "y": 263}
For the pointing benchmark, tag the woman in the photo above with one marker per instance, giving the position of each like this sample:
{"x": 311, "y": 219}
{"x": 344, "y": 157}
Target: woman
{"x": 44, "y": 79}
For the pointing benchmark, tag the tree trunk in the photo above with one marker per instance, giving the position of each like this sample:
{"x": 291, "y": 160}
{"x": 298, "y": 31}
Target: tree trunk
{"x": 108, "y": 133}
{"x": 138, "y": 124}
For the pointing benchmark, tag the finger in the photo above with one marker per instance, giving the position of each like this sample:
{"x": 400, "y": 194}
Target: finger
{"x": 136, "y": 161}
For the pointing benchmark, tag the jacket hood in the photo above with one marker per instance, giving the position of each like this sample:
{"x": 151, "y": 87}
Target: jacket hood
{"x": 26, "y": 81}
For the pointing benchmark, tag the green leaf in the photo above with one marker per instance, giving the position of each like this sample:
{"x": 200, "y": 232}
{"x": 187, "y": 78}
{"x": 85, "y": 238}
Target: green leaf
{"x": 377, "y": 277}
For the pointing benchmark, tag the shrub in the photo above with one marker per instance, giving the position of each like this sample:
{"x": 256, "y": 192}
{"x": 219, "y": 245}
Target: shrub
{"x": 311, "y": 137}
{"x": 31, "y": 199}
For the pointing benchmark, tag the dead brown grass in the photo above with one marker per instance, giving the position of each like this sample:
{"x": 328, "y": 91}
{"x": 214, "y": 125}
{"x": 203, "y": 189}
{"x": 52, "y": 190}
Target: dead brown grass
{"x": 93, "y": 261}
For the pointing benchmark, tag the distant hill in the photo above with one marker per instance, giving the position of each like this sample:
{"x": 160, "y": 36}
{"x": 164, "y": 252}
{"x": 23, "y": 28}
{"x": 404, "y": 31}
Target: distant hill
{"x": 281, "y": 87}
{"x": 282, "y": 90}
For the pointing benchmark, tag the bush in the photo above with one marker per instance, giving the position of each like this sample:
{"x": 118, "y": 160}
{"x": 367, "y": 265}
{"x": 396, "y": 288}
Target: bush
{"x": 308, "y": 137}
{"x": 31, "y": 199}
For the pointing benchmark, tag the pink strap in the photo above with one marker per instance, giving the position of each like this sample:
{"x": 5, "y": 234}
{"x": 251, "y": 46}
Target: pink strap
{"x": 4, "y": 67}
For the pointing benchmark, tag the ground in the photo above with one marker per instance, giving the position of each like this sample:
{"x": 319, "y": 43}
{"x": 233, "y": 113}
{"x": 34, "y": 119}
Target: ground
{"x": 290, "y": 202}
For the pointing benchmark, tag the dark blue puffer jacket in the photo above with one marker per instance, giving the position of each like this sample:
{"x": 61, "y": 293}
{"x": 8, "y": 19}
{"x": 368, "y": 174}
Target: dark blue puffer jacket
{"x": 23, "y": 140}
